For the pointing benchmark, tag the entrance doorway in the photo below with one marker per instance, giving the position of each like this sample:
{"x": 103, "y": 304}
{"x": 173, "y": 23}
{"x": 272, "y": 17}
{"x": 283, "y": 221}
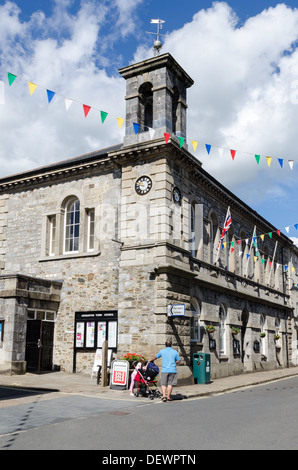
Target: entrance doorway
{"x": 39, "y": 345}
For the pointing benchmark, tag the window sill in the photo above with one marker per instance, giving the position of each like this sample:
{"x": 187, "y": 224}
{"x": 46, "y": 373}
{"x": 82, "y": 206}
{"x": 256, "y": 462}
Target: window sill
{"x": 69, "y": 256}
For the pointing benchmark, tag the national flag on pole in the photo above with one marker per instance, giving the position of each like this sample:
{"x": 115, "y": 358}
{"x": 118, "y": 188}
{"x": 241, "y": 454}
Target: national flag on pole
{"x": 226, "y": 226}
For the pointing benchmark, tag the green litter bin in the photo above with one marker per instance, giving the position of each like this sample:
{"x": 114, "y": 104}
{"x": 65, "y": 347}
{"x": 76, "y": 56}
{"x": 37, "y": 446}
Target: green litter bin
{"x": 201, "y": 368}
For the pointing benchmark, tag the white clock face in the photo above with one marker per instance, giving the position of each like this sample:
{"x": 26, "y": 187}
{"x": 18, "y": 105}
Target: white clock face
{"x": 177, "y": 195}
{"x": 143, "y": 185}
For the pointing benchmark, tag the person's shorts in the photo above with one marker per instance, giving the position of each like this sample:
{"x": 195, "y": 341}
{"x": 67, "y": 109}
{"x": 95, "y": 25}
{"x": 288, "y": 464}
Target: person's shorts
{"x": 168, "y": 378}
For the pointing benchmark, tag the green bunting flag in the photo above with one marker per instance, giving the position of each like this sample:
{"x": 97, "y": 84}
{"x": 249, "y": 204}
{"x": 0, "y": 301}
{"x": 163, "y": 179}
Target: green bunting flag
{"x": 103, "y": 115}
{"x": 257, "y": 157}
{"x": 181, "y": 141}
{"x": 11, "y": 78}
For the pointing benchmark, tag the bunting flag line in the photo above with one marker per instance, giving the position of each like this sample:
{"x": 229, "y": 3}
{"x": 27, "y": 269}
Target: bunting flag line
{"x": 50, "y": 95}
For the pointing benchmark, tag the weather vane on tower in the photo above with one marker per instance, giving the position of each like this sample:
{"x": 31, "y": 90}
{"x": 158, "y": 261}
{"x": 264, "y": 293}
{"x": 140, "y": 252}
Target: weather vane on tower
{"x": 157, "y": 45}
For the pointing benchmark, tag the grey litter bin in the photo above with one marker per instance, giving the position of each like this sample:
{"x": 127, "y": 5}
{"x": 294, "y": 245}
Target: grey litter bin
{"x": 201, "y": 368}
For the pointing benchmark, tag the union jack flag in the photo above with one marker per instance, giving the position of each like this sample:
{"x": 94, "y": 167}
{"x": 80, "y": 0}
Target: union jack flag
{"x": 226, "y": 226}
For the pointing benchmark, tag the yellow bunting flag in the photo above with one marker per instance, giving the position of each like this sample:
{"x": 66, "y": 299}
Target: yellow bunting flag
{"x": 120, "y": 122}
{"x": 262, "y": 237}
{"x": 269, "y": 160}
{"x": 194, "y": 144}
{"x": 32, "y": 87}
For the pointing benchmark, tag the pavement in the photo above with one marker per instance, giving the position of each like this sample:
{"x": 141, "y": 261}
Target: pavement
{"x": 83, "y": 384}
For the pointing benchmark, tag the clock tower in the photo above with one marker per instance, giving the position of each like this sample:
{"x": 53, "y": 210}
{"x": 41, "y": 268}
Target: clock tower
{"x": 155, "y": 99}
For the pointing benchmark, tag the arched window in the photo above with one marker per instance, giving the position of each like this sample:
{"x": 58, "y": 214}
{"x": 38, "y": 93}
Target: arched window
{"x": 222, "y": 330}
{"x": 72, "y": 225}
{"x": 195, "y": 332}
{"x": 146, "y": 106}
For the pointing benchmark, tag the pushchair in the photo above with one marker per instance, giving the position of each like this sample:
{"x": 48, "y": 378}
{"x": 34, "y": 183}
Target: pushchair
{"x": 145, "y": 379}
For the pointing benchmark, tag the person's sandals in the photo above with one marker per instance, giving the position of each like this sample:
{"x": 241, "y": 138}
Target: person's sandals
{"x": 164, "y": 399}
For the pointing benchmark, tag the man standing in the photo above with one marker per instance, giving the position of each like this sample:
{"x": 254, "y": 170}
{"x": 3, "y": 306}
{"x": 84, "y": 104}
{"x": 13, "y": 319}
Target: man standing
{"x": 170, "y": 358}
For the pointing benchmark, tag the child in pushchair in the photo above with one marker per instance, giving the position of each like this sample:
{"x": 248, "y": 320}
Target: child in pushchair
{"x": 144, "y": 378}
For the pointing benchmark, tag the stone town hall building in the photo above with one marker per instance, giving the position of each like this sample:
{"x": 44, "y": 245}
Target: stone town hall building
{"x": 102, "y": 245}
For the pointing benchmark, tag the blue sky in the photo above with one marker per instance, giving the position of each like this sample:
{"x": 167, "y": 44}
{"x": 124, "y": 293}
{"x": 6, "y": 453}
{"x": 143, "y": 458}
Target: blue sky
{"x": 242, "y": 56}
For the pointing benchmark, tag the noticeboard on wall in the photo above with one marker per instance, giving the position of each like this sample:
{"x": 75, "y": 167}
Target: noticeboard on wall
{"x": 92, "y": 329}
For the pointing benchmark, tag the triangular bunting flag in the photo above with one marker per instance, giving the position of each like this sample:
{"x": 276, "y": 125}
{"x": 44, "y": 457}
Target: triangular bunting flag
{"x": 255, "y": 258}
{"x": 220, "y": 151}
{"x": 194, "y": 144}
{"x": 136, "y": 127}
{"x": 257, "y": 157}
{"x": 293, "y": 269}
{"x": 296, "y": 226}
{"x": 120, "y": 121}
{"x": 278, "y": 232}
{"x": 291, "y": 162}
{"x": 233, "y": 153}
{"x": 86, "y": 109}
{"x": 239, "y": 242}
{"x": 208, "y": 148}
{"x": 269, "y": 160}
{"x": 263, "y": 260}
{"x": 270, "y": 234}
{"x": 51, "y": 95}
{"x": 287, "y": 229}
{"x": 11, "y": 78}
{"x": 67, "y": 103}
{"x": 270, "y": 263}
{"x": 167, "y": 136}
{"x": 280, "y": 161}
{"x": 232, "y": 249}
{"x": 247, "y": 256}
{"x": 151, "y": 132}
{"x": 181, "y": 141}
{"x": 286, "y": 267}
{"x": 32, "y": 87}
{"x": 262, "y": 237}
{"x": 103, "y": 116}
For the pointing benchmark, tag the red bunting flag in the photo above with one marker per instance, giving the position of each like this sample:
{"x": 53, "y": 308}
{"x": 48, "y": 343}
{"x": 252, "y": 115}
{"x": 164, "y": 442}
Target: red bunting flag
{"x": 233, "y": 153}
{"x": 86, "y": 109}
{"x": 167, "y": 136}
{"x": 278, "y": 232}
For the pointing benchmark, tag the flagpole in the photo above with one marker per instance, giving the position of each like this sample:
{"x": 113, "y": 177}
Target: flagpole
{"x": 250, "y": 251}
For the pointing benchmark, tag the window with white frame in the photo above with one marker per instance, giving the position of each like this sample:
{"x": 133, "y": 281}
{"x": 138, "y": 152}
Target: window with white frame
{"x": 72, "y": 226}
{"x": 222, "y": 330}
{"x": 47, "y": 315}
{"x": 195, "y": 331}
